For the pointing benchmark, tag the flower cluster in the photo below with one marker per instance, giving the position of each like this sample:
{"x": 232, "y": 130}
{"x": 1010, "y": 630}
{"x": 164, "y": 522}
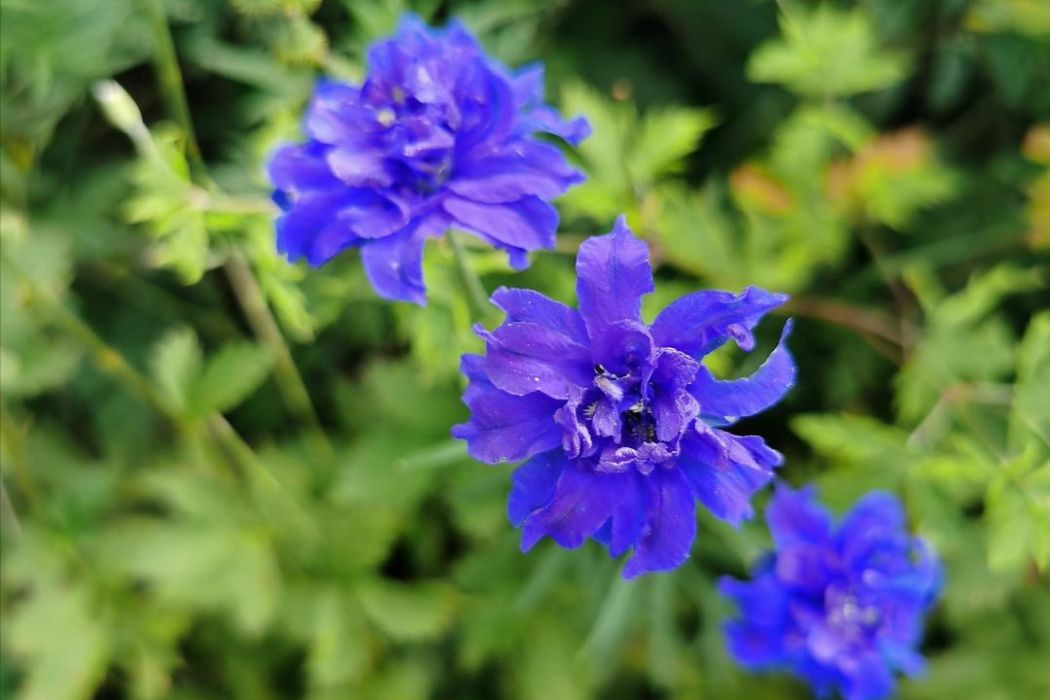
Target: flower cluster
{"x": 620, "y": 422}
{"x": 619, "y": 425}
{"x": 437, "y": 135}
{"x": 841, "y": 606}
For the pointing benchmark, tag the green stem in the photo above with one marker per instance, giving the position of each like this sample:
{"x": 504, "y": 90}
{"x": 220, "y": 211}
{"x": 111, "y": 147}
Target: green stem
{"x": 242, "y": 278}
{"x": 170, "y": 78}
{"x": 15, "y": 450}
{"x": 113, "y": 363}
{"x": 264, "y": 326}
{"x": 8, "y": 516}
{"x": 479, "y": 299}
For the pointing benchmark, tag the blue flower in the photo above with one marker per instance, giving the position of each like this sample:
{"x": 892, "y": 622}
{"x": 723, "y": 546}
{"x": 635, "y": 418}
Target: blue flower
{"x": 437, "y": 135}
{"x": 619, "y": 422}
{"x": 843, "y": 606}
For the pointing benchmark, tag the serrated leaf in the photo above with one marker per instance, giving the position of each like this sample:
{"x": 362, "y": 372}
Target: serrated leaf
{"x": 1017, "y": 512}
{"x": 663, "y": 140}
{"x": 1031, "y": 405}
{"x": 62, "y": 637}
{"x": 854, "y": 439}
{"x": 409, "y": 612}
{"x": 827, "y": 52}
{"x": 229, "y": 377}
{"x": 208, "y": 567}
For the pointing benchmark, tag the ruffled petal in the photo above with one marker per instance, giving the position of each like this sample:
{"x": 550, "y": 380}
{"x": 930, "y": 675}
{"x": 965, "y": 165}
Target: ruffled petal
{"x": 394, "y": 264}
{"x": 529, "y": 306}
{"x": 359, "y": 167}
{"x": 309, "y": 229}
{"x": 867, "y": 678}
{"x": 301, "y": 168}
{"x": 795, "y": 516}
{"x": 371, "y": 215}
{"x": 613, "y": 274}
{"x": 334, "y": 115}
{"x": 753, "y": 647}
{"x": 504, "y": 427}
{"x": 725, "y": 470}
{"x": 527, "y": 224}
{"x": 727, "y": 401}
{"x": 670, "y": 525}
{"x": 623, "y": 345}
{"x": 527, "y": 357}
{"x": 700, "y": 322}
{"x": 629, "y": 516}
{"x": 761, "y": 601}
{"x": 533, "y": 485}
{"x": 528, "y": 168}
{"x": 877, "y": 513}
{"x": 527, "y": 86}
{"x": 583, "y": 500}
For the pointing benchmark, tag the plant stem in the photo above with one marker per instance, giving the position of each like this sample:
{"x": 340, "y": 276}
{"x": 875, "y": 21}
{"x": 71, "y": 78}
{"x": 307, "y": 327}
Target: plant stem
{"x": 242, "y": 278}
{"x": 113, "y": 363}
{"x": 869, "y": 323}
{"x": 8, "y": 516}
{"x": 12, "y": 437}
{"x": 170, "y": 78}
{"x": 264, "y": 326}
{"x": 479, "y": 299}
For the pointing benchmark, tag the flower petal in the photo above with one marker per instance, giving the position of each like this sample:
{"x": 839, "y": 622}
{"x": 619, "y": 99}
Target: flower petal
{"x": 308, "y": 229}
{"x": 730, "y": 400}
{"x": 533, "y": 485}
{"x": 527, "y": 305}
{"x": 504, "y": 427}
{"x": 527, "y": 357}
{"x": 582, "y": 502}
{"x": 394, "y": 264}
{"x": 795, "y": 516}
{"x": 700, "y": 322}
{"x": 528, "y": 224}
{"x": 299, "y": 168}
{"x": 725, "y": 470}
{"x": 613, "y": 274}
{"x": 528, "y": 168}
{"x": 670, "y": 525}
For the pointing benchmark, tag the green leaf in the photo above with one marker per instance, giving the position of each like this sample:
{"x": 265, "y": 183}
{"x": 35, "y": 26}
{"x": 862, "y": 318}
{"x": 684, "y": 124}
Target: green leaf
{"x": 230, "y": 376}
{"x": 1018, "y": 513}
{"x": 1031, "y": 405}
{"x": 409, "y": 612}
{"x": 174, "y": 364}
{"x": 339, "y": 646}
{"x": 853, "y": 439}
{"x": 663, "y": 140}
{"x": 827, "y": 52}
{"x": 63, "y": 637}
{"x": 207, "y": 566}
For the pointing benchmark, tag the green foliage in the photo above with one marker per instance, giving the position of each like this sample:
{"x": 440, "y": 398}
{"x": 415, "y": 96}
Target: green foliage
{"x": 228, "y": 476}
{"x": 827, "y": 52}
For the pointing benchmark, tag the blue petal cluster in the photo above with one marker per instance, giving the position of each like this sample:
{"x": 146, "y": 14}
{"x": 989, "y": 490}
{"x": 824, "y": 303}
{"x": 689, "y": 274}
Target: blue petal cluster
{"x": 842, "y": 606}
{"x": 437, "y": 135}
{"x": 620, "y": 422}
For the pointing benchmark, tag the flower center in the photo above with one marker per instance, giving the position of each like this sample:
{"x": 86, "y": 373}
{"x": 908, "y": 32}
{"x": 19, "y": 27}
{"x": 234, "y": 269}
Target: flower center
{"x": 851, "y": 616}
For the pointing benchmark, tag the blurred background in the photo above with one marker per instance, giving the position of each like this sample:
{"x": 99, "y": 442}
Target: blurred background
{"x": 225, "y": 476}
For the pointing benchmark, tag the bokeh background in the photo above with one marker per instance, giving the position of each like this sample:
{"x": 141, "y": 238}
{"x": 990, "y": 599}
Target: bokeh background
{"x": 228, "y": 477}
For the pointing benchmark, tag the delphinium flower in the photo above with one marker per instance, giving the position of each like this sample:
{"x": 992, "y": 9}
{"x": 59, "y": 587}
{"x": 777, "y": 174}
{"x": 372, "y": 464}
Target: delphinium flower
{"x": 437, "y": 135}
{"x": 620, "y": 423}
{"x": 841, "y": 605}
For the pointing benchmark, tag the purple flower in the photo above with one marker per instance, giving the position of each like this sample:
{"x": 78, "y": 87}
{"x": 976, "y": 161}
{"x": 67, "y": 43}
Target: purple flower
{"x": 841, "y": 606}
{"x": 619, "y": 421}
{"x": 437, "y": 135}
